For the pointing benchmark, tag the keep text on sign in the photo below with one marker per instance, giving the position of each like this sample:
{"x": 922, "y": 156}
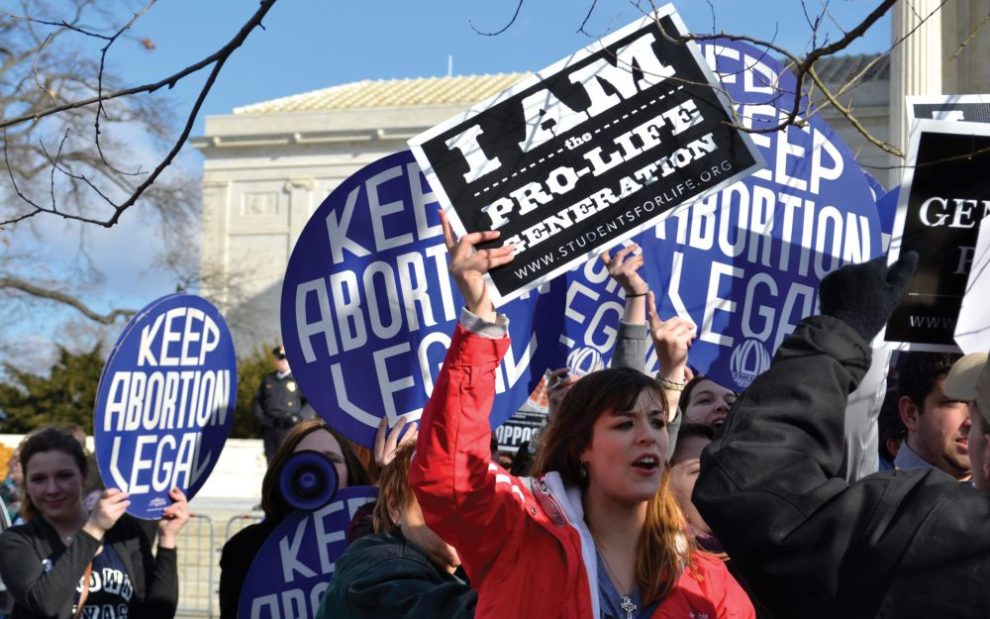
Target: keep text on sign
{"x": 165, "y": 402}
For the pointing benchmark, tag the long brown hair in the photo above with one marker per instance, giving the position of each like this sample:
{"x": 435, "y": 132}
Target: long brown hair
{"x": 272, "y": 500}
{"x": 664, "y": 548}
{"x": 394, "y": 493}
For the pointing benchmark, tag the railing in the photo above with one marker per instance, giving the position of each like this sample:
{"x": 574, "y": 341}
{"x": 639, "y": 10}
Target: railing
{"x": 197, "y": 543}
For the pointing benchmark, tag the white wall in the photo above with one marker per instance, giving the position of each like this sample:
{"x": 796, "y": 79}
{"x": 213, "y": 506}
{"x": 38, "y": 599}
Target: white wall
{"x": 236, "y": 478}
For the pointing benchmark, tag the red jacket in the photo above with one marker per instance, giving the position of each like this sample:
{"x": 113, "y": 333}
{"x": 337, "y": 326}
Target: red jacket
{"x": 523, "y": 543}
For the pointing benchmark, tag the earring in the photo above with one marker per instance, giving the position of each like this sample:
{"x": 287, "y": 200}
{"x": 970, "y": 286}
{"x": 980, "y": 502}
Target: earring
{"x": 583, "y": 470}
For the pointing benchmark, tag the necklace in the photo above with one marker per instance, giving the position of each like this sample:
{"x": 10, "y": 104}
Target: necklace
{"x": 625, "y": 601}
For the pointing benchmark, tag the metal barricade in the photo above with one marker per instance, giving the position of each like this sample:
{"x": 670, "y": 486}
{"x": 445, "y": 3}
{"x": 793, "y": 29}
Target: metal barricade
{"x": 241, "y": 521}
{"x": 196, "y": 558}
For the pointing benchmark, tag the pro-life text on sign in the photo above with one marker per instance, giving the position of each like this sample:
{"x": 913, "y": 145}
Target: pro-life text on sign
{"x": 587, "y": 152}
{"x": 165, "y": 402}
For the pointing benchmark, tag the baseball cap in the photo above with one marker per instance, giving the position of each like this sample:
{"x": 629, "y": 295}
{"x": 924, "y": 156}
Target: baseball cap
{"x": 279, "y": 352}
{"x": 969, "y": 381}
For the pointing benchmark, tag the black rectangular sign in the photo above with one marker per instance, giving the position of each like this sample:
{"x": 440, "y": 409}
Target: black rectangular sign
{"x": 587, "y": 152}
{"x": 944, "y": 197}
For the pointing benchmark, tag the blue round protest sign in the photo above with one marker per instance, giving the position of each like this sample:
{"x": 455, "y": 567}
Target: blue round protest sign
{"x": 368, "y": 307}
{"x": 295, "y": 564}
{"x": 744, "y": 264}
{"x": 165, "y": 402}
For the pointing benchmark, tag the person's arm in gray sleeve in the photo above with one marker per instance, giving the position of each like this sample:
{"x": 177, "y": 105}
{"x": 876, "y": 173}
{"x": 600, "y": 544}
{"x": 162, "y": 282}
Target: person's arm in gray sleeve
{"x": 631, "y": 340}
{"x": 671, "y": 338}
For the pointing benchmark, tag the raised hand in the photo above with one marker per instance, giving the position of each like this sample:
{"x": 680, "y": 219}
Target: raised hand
{"x": 173, "y": 519}
{"x": 865, "y": 295}
{"x": 387, "y": 441}
{"x": 468, "y": 266}
{"x": 672, "y": 339}
{"x": 624, "y": 268}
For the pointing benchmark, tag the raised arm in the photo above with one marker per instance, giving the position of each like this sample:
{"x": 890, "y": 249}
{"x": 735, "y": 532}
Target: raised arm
{"x": 465, "y": 497}
{"x": 631, "y": 341}
{"x": 671, "y": 338}
{"x": 770, "y": 485}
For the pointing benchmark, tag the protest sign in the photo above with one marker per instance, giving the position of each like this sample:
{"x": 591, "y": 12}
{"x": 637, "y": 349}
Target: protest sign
{"x": 530, "y": 417}
{"x": 744, "y": 264}
{"x": 973, "y": 328}
{"x": 887, "y": 210}
{"x": 165, "y": 402}
{"x": 944, "y": 196}
{"x": 958, "y": 108}
{"x": 587, "y": 152}
{"x": 294, "y": 566}
{"x": 368, "y": 306}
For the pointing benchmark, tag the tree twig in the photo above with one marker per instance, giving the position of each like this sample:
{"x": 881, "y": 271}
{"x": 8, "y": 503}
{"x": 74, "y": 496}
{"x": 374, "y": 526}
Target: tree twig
{"x": 217, "y": 60}
{"x": 15, "y": 283}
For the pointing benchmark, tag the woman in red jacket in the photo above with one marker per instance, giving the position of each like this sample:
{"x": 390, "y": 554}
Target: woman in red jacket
{"x": 598, "y": 533}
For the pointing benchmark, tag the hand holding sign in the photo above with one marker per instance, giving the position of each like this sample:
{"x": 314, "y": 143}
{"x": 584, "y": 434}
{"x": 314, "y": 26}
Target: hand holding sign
{"x": 173, "y": 519}
{"x": 111, "y": 506}
{"x": 671, "y": 338}
{"x": 468, "y": 266}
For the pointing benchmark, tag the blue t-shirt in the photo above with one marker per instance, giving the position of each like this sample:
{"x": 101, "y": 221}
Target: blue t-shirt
{"x": 609, "y": 598}
{"x": 110, "y": 589}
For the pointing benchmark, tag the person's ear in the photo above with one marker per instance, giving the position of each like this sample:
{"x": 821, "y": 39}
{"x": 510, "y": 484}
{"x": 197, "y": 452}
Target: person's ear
{"x": 394, "y": 514}
{"x": 909, "y": 413}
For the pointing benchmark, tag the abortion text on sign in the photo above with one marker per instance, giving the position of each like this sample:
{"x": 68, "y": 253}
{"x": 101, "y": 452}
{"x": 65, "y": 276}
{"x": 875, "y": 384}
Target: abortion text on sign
{"x": 165, "y": 402}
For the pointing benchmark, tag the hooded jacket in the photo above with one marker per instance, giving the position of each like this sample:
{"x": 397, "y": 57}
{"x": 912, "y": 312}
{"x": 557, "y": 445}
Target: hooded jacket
{"x": 387, "y": 577}
{"x": 523, "y": 543}
{"x": 809, "y": 543}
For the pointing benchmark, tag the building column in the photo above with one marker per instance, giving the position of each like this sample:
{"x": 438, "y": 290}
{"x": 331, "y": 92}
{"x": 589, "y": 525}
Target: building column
{"x": 915, "y": 65}
{"x": 300, "y": 192}
{"x": 213, "y": 266}
{"x": 967, "y": 47}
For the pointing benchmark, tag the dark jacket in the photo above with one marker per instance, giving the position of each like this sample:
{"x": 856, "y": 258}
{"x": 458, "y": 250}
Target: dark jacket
{"x": 810, "y": 544}
{"x": 279, "y": 401}
{"x": 235, "y": 561}
{"x": 386, "y": 577}
{"x": 27, "y": 549}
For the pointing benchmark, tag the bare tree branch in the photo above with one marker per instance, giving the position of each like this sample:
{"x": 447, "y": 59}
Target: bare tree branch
{"x": 503, "y": 28}
{"x": 44, "y": 292}
{"x": 217, "y": 60}
{"x": 584, "y": 22}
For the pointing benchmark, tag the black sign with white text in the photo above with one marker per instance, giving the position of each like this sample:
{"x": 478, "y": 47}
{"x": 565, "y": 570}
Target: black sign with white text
{"x": 942, "y": 203}
{"x": 586, "y": 152}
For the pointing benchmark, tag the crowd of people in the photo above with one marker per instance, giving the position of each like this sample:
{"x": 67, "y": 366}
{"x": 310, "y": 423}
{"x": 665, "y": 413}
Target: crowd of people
{"x": 661, "y": 496}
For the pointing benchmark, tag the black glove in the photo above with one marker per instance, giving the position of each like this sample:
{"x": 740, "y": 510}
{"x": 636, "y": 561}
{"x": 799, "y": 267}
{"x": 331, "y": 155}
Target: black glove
{"x": 864, "y": 295}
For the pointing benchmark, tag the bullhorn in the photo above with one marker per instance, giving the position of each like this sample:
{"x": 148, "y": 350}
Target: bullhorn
{"x": 308, "y": 480}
